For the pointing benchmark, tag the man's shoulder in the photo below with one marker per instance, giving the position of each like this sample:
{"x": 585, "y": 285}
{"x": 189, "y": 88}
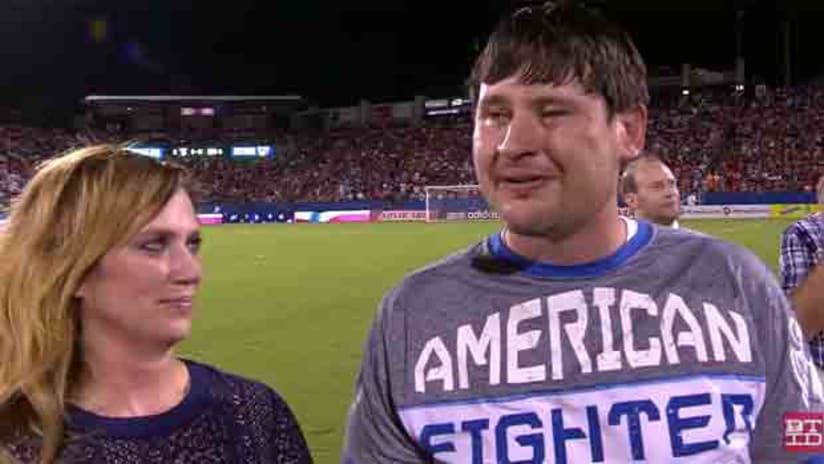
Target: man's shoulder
{"x": 707, "y": 250}
{"x": 810, "y": 224}
{"x": 454, "y": 265}
{"x": 685, "y": 237}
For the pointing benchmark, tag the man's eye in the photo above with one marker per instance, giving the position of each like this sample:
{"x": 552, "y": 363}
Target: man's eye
{"x": 554, "y": 113}
{"x": 496, "y": 117}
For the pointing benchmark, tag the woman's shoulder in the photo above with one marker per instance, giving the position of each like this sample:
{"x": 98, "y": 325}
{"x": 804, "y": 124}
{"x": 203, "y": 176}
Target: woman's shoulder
{"x": 227, "y": 386}
{"x": 241, "y": 394}
{"x": 221, "y": 409}
{"x": 20, "y": 449}
{"x": 18, "y": 442}
{"x": 260, "y": 408}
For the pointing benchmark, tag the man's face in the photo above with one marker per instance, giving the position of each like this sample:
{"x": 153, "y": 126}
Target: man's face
{"x": 547, "y": 156}
{"x": 657, "y": 199}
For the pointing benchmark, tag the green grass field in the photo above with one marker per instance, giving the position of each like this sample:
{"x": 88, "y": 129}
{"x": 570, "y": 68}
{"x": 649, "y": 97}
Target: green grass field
{"x": 290, "y": 305}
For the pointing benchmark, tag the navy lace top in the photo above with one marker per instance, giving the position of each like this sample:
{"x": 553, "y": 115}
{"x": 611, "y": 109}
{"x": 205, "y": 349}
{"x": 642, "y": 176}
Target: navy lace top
{"x": 222, "y": 419}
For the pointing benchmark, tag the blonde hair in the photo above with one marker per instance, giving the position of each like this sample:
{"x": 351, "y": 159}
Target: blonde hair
{"x": 76, "y": 208}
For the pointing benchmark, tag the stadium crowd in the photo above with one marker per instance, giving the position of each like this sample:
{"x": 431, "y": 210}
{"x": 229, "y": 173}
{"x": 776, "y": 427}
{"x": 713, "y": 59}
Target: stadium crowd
{"x": 21, "y": 148}
{"x": 349, "y": 164}
{"x": 713, "y": 143}
{"x": 721, "y": 144}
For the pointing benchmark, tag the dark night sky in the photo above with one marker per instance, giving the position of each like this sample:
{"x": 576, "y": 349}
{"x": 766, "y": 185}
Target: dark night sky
{"x": 335, "y": 52}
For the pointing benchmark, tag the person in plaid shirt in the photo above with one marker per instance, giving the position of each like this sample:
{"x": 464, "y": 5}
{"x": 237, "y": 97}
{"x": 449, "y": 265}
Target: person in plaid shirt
{"x": 802, "y": 275}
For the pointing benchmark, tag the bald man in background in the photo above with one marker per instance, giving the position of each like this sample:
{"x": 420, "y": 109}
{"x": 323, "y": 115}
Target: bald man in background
{"x": 650, "y": 190}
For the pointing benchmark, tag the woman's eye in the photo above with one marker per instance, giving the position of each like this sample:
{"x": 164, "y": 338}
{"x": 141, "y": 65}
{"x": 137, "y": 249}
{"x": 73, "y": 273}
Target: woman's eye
{"x": 154, "y": 246}
{"x": 194, "y": 245}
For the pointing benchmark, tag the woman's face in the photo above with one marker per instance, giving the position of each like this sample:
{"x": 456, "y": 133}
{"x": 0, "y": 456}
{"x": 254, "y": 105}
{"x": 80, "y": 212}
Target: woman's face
{"x": 143, "y": 291}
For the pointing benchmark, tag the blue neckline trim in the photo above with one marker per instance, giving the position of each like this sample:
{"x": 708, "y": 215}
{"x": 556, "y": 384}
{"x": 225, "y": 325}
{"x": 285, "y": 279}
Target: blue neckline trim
{"x": 155, "y": 425}
{"x": 499, "y": 249}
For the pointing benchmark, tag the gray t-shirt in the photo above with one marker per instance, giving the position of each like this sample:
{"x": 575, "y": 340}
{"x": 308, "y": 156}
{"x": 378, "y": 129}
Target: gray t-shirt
{"x": 677, "y": 348}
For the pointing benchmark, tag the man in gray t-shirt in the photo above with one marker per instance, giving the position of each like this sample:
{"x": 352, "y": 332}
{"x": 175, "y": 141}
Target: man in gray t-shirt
{"x": 574, "y": 335}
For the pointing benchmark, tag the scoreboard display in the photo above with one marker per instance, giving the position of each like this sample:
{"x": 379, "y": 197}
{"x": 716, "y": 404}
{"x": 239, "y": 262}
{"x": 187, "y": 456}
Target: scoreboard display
{"x": 234, "y": 151}
{"x": 447, "y": 107}
{"x": 184, "y": 152}
{"x": 253, "y": 151}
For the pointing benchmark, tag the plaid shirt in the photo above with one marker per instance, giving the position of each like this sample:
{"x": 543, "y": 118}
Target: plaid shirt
{"x": 802, "y": 246}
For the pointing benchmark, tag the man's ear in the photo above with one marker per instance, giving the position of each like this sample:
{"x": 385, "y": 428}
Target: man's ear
{"x": 632, "y": 132}
{"x": 631, "y": 200}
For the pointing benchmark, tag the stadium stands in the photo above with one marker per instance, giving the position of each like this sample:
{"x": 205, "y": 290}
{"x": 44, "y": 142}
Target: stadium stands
{"x": 713, "y": 143}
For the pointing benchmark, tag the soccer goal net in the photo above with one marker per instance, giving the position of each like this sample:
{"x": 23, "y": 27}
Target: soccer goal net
{"x": 456, "y": 203}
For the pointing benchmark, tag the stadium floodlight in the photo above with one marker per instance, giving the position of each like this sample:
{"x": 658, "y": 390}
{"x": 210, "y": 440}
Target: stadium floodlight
{"x": 456, "y": 203}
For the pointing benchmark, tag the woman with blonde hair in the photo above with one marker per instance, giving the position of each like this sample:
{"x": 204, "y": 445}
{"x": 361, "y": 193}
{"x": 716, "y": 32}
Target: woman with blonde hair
{"x": 98, "y": 275}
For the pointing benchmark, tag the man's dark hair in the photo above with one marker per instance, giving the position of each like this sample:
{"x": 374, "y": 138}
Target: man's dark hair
{"x": 628, "y": 182}
{"x": 561, "y": 43}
